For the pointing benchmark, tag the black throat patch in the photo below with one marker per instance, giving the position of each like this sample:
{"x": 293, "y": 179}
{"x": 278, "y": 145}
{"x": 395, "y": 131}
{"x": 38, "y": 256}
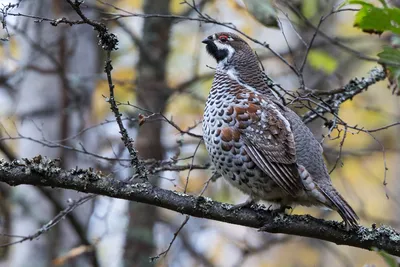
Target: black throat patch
{"x": 218, "y": 54}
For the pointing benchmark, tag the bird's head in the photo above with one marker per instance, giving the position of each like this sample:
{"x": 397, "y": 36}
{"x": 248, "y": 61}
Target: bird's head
{"x": 236, "y": 58}
{"x": 224, "y": 46}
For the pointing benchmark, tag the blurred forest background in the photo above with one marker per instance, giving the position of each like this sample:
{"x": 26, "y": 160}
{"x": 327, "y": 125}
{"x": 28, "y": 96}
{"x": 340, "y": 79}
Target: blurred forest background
{"x": 53, "y": 94}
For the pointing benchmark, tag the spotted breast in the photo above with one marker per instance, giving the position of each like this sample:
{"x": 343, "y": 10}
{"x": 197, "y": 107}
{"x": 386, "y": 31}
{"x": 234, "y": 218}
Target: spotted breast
{"x": 233, "y": 112}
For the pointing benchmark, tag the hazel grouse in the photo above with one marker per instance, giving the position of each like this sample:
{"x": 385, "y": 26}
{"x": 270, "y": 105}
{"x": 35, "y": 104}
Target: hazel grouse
{"x": 259, "y": 145}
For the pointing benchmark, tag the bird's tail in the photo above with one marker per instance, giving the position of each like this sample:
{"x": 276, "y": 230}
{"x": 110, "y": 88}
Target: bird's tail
{"x": 341, "y": 206}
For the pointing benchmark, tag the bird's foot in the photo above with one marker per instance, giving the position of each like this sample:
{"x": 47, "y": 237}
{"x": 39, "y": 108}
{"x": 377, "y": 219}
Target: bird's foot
{"x": 274, "y": 212}
{"x": 349, "y": 226}
{"x": 281, "y": 209}
{"x": 247, "y": 204}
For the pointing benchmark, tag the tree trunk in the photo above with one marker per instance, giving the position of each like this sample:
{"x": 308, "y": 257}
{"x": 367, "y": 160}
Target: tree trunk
{"x": 51, "y": 107}
{"x": 152, "y": 94}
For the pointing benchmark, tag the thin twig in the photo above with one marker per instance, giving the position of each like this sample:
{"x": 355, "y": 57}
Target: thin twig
{"x": 165, "y": 252}
{"x": 109, "y": 43}
{"x": 191, "y": 165}
{"x": 53, "y": 222}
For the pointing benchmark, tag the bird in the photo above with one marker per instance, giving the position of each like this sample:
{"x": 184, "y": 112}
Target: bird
{"x": 256, "y": 143}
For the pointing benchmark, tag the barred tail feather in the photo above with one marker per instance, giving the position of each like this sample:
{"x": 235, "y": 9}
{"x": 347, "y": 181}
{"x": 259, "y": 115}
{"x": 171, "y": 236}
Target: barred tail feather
{"x": 342, "y": 207}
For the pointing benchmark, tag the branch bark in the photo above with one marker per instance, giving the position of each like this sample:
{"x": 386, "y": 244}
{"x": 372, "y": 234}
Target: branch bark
{"x": 44, "y": 172}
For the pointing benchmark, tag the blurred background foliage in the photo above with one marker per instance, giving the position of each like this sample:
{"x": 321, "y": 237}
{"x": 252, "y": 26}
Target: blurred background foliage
{"x": 361, "y": 160}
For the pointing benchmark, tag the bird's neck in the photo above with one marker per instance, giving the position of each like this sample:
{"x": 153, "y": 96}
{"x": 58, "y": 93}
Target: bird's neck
{"x": 249, "y": 76}
{"x": 231, "y": 76}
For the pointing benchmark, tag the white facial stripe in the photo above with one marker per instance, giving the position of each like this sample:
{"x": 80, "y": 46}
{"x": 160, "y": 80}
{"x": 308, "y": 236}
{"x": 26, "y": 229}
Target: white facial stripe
{"x": 230, "y": 50}
{"x": 221, "y": 46}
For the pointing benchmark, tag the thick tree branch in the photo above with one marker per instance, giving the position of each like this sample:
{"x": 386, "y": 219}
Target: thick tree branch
{"x": 44, "y": 172}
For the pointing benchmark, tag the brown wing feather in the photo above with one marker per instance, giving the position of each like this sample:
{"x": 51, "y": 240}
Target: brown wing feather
{"x": 285, "y": 175}
{"x": 270, "y": 144}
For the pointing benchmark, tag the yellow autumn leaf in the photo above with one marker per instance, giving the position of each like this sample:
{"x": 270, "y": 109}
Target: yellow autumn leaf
{"x": 129, "y": 4}
{"x": 195, "y": 183}
{"x": 124, "y": 91}
{"x": 176, "y": 6}
{"x": 321, "y": 60}
{"x": 14, "y": 48}
{"x": 309, "y": 8}
{"x": 185, "y": 103}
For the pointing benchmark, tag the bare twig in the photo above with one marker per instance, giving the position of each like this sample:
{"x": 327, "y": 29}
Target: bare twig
{"x": 190, "y": 170}
{"x": 340, "y": 149}
{"x": 165, "y": 252}
{"x": 109, "y": 43}
{"x": 141, "y": 171}
{"x": 45, "y": 228}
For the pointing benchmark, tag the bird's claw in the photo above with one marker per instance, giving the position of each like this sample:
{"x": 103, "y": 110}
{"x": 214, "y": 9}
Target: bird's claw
{"x": 281, "y": 209}
{"x": 247, "y": 204}
{"x": 274, "y": 212}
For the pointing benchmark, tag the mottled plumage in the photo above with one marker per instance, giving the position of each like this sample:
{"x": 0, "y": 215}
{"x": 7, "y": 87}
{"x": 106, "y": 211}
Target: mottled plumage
{"x": 257, "y": 144}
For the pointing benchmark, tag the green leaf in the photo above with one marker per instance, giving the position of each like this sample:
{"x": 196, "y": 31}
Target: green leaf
{"x": 390, "y": 57}
{"x": 263, "y": 11}
{"x": 373, "y": 19}
{"x": 360, "y": 2}
{"x": 389, "y": 259}
{"x": 309, "y": 8}
{"x": 321, "y": 60}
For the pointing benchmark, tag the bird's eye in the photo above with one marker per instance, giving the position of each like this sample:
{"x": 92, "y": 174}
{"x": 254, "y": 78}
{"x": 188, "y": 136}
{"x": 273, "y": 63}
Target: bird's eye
{"x": 223, "y": 38}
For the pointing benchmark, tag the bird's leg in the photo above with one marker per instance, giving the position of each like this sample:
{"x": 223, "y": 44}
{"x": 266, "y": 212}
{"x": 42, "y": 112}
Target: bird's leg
{"x": 247, "y": 204}
{"x": 215, "y": 176}
{"x": 346, "y": 225}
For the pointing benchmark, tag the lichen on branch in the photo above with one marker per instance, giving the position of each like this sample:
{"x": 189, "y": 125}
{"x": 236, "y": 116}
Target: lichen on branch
{"x": 41, "y": 171}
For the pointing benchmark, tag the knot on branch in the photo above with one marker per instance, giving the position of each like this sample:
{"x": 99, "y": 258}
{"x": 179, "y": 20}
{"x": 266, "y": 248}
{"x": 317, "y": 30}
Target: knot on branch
{"x": 61, "y": 20}
{"x": 108, "y": 41}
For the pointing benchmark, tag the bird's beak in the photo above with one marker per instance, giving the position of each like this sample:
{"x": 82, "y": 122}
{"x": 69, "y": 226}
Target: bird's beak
{"x": 207, "y": 41}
